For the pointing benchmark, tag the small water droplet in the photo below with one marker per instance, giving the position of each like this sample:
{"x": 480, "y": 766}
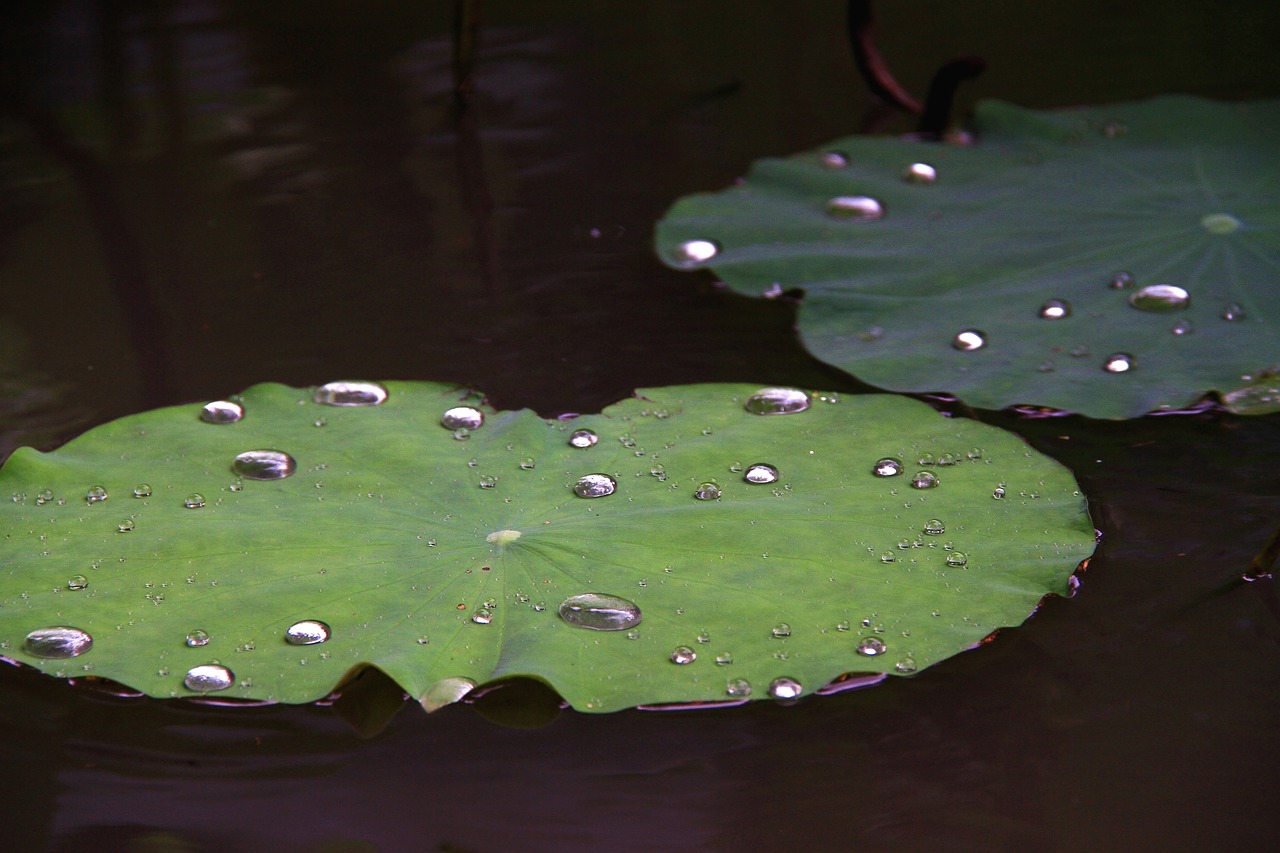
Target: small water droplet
{"x": 599, "y": 612}
{"x": 126, "y": 525}
{"x": 57, "y": 642}
{"x": 906, "y": 664}
{"x": 308, "y": 632}
{"x": 1182, "y": 327}
{"x": 739, "y": 687}
{"x": 1233, "y": 312}
{"x": 1055, "y": 309}
{"x": 785, "y": 688}
{"x": 835, "y": 159}
{"x": 350, "y": 394}
{"x": 957, "y": 559}
{"x": 703, "y": 637}
{"x": 44, "y": 496}
{"x": 887, "y": 467}
{"x": 969, "y": 340}
{"x": 424, "y": 640}
{"x": 782, "y": 630}
{"x": 947, "y": 459}
{"x": 927, "y": 459}
{"x": 320, "y": 422}
{"x": 920, "y": 173}
{"x": 197, "y": 638}
{"x": 934, "y": 527}
{"x": 263, "y": 465}
{"x": 683, "y": 654}
{"x": 208, "y": 677}
{"x": 96, "y": 494}
{"x": 724, "y": 659}
{"x": 1220, "y": 223}
{"x": 888, "y": 557}
{"x": 871, "y": 646}
{"x": 583, "y": 438}
{"x": 1079, "y": 351}
{"x": 1160, "y": 298}
{"x": 693, "y": 253}
{"x": 488, "y": 481}
{"x": 855, "y": 208}
{"x": 221, "y": 412}
{"x": 482, "y": 616}
{"x": 195, "y": 500}
{"x": 595, "y": 486}
{"x": 1122, "y": 281}
{"x": 998, "y": 494}
{"x": 528, "y": 463}
{"x": 1119, "y": 362}
{"x": 707, "y": 491}
{"x": 777, "y": 401}
{"x": 658, "y": 471}
{"x": 461, "y": 434}
{"x": 462, "y": 417}
{"x": 924, "y": 480}
{"x": 77, "y": 582}
{"x": 761, "y": 473}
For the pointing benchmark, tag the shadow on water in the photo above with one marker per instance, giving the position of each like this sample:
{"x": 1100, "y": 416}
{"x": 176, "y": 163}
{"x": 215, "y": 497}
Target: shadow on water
{"x": 202, "y": 195}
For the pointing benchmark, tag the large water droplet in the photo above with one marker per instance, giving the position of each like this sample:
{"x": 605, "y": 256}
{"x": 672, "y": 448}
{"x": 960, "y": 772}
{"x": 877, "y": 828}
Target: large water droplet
{"x": 583, "y": 438}
{"x": 871, "y": 646}
{"x": 739, "y": 687}
{"x": 96, "y": 494}
{"x": 924, "y": 480}
{"x": 785, "y": 688}
{"x": 1220, "y": 223}
{"x": 694, "y": 252}
{"x": 57, "y": 642}
{"x": 221, "y": 412}
{"x": 708, "y": 491}
{"x": 855, "y": 208}
{"x": 761, "y": 473}
{"x": 308, "y": 632}
{"x": 782, "y": 630}
{"x": 195, "y": 500}
{"x": 834, "y": 159}
{"x": 595, "y": 486}
{"x": 77, "y": 582}
{"x": 998, "y": 493}
{"x": 600, "y": 612}
{"x": 482, "y": 616}
{"x": 142, "y": 490}
{"x": 350, "y": 394}
{"x": 126, "y": 525}
{"x": 887, "y": 467}
{"x": 1055, "y": 309}
{"x": 777, "y": 401}
{"x": 488, "y": 481}
{"x": 935, "y": 527}
{"x": 920, "y": 173}
{"x": 208, "y": 677}
{"x": 264, "y": 465}
{"x": 683, "y": 654}
{"x": 969, "y": 340}
{"x": 462, "y": 417}
{"x": 1160, "y": 298}
{"x": 1119, "y": 362}
{"x": 197, "y": 638}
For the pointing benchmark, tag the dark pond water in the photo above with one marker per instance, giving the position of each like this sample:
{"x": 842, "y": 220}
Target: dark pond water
{"x": 202, "y": 195}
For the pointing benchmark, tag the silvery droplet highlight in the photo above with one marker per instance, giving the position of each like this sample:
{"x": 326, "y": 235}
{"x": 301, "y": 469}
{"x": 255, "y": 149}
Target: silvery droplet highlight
{"x": 482, "y": 616}
{"x": 195, "y": 500}
{"x": 935, "y": 527}
{"x": 126, "y": 525}
{"x": 142, "y": 490}
{"x": 221, "y": 412}
{"x": 957, "y": 559}
{"x": 692, "y": 253}
{"x": 462, "y": 417}
{"x": 905, "y": 665}
{"x": 1233, "y": 312}
{"x": 264, "y": 465}
{"x": 1055, "y": 309}
{"x": 197, "y": 638}
{"x": 969, "y": 340}
{"x": 595, "y": 486}
{"x": 835, "y": 159}
{"x": 308, "y": 632}
{"x": 350, "y": 394}
{"x": 1182, "y": 327}
{"x": 208, "y": 678}
{"x": 761, "y": 474}
{"x": 1160, "y": 298}
{"x": 96, "y": 494}
{"x": 708, "y": 491}
{"x": 924, "y": 480}
{"x": 887, "y": 467}
{"x": 1122, "y": 281}
{"x": 57, "y": 642}
{"x": 581, "y": 438}
{"x": 781, "y": 631}
{"x": 871, "y": 646}
{"x": 777, "y": 401}
{"x": 785, "y": 688}
{"x": 738, "y": 687}
{"x": 599, "y": 611}
{"x": 920, "y": 173}
{"x": 1119, "y": 362}
{"x": 77, "y": 582}
{"x": 1220, "y": 223}
{"x": 683, "y": 655}
{"x": 855, "y": 208}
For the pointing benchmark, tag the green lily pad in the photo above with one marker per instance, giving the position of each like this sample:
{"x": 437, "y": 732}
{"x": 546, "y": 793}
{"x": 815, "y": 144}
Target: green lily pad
{"x": 408, "y": 536}
{"x": 902, "y": 247}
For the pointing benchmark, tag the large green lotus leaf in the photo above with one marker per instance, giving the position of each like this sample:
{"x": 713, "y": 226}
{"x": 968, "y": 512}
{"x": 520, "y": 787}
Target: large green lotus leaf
{"x": 443, "y": 557}
{"x": 1047, "y": 206}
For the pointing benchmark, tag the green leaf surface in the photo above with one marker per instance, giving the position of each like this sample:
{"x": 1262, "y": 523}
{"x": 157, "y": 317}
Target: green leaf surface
{"x": 1047, "y": 205}
{"x": 384, "y": 533}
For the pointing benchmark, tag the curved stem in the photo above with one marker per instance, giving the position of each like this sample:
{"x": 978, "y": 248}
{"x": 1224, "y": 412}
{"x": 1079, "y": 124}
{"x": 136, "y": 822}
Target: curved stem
{"x": 942, "y": 94}
{"x": 870, "y": 64}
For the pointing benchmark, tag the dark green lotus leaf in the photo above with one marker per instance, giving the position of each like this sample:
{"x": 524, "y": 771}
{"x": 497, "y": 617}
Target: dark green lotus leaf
{"x": 991, "y": 239}
{"x": 444, "y": 555}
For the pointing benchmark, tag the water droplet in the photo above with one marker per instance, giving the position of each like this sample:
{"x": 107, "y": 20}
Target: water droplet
{"x": 835, "y": 159}
{"x": 44, "y": 496}
{"x": 488, "y": 481}
{"x": 957, "y": 559}
{"x": 462, "y": 417}
{"x": 739, "y": 687}
{"x": 57, "y": 642}
{"x": 761, "y": 473}
{"x": 855, "y": 208}
{"x": 871, "y": 646}
{"x": 221, "y": 412}
{"x": 998, "y": 494}
{"x": 777, "y": 401}
{"x": 1182, "y": 327}
{"x": 263, "y": 465}
{"x": 888, "y": 557}
{"x": 482, "y": 616}
{"x": 1119, "y": 362}
{"x": 350, "y": 394}
{"x": 934, "y": 527}
{"x": 77, "y": 582}
{"x": 320, "y": 422}
{"x": 785, "y": 688}
{"x": 1160, "y": 298}
{"x": 461, "y": 434}
{"x": 887, "y": 467}
{"x": 195, "y": 500}
{"x": 658, "y": 471}
{"x": 707, "y": 491}
{"x": 905, "y": 665}
{"x": 1055, "y": 309}
{"x": 683, "y": 654}
{"x": 781, "y": 630}
{"x": 96, "y": 494}
{"x": 724, "y": 659}
{"x": 703, "y": 637}
{"x": 692, "y": 253}
{"x": 424, "y": 640}
{"x": 208, "y": 677}
{"x": 969, "y": 340}
{"x": 1122, "y": 281}
{"x": 595, "y": 486}
{"x": 600, "y": 612}
{"x": 528, "y": 463}
{"x": 920, "y": 173}
{"x": 1233, "y": 312}
{"x": 1220, "y": 223}
{"x": 583, "y": 438}
{"x": 126, "y": 525}
{"x": 197, "y": 638}
{"x": 924, "y": 480}
{"x": 308, "y": 632}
